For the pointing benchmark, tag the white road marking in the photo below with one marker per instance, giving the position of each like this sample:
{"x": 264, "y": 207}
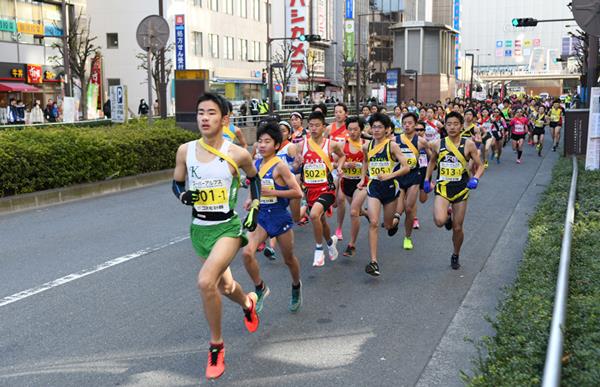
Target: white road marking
{"x": 84, "y": 273}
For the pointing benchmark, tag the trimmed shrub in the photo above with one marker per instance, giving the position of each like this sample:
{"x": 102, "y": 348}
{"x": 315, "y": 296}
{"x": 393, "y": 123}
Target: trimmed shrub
{"x": 515, "y": 356}
{"x": 35, "y": 159}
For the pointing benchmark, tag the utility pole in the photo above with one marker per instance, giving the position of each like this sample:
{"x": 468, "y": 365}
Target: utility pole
{"x": 269, "y": 68}
{"x": 66, "y": 53}
{"x": 591, "y": 67}
{"x": 162, "y": 84}
{"x": 471, "y": 81}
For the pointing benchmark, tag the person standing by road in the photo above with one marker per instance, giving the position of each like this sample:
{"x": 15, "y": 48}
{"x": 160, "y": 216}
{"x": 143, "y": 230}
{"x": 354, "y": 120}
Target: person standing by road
{"x": 451, "y": 156}
{"x": 211, "y": 166}
{"x": 143, "y": 108}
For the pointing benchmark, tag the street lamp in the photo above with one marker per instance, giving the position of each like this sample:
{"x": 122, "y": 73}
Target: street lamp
{"x": 416, "y": 74}
{"x": 471, "y": 81}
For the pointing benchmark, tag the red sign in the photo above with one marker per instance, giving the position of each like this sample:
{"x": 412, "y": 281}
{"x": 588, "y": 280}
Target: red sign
{"x": 34, "y": 74}
{"x": 179, "y": 20}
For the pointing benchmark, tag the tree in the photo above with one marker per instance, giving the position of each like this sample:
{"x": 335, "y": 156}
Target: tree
{"x": 310, "y": 65}
{"x": 348, "y": 74}
{"x": 80, "y": 50}
{"x": 365, "y": 76}
{"x": 581, "y": 55}
{"x": 143, "y": 65}
{"x": 283, "y": 75}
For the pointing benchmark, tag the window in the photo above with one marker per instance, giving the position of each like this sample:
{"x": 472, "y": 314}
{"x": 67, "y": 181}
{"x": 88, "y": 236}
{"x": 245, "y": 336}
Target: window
{"x": 113, "y": 82}
{"x": 229, "y": 7}
{"x": 213, "y": 45}
{"x": 243, "y": 6}
{"x": 243, "y": 43}
{"x": 214, "y": 5}
{"x": 256, "y": 9}
{"x": 112, "y": 40}
{"x": 256, "y": 50}
{"x": 197, "y": 43}
{"x": 198, "y": 3}
{"x": 229, "y": 52}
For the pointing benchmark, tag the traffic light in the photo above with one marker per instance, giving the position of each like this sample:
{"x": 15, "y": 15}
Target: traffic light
{"x": 524, "y": 22}
{"x": 309, "y": 38}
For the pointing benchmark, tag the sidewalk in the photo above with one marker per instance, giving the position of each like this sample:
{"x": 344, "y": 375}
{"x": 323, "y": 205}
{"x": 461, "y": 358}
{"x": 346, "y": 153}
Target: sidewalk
{"x": 455, "y": 350}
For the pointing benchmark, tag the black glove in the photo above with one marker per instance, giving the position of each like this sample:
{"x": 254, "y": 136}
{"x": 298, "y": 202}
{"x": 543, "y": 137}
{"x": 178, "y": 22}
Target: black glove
{"x": 190, "y": 197}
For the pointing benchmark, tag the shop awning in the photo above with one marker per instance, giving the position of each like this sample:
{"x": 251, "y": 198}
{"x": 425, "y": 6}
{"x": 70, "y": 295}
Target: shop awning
{"x": 19, "y": 87}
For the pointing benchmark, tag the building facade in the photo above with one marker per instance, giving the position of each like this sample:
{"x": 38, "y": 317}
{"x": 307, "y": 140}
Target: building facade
{"x": 226, "y": 37}
{"x": 30, "y": 68}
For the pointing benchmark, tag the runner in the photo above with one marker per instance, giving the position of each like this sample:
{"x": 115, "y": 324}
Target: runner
{"x": 420, "y": 129}
{"x": 472, "y": 132}
{"x": 211, "y": 167}
{"x": 274, "y": 221}
{"x": 556, "y": 119}
{"x": 486, "y": 125}
{"x": 298, "y": 207}
{"x": 450, "y": 156}
{"x": 352, "y": 174}
{"x": 382, "y": 188}
{"x": 433, "y": 126}
{"x": 540, "y": 120}
{"x": 410, "y": 145}
{"x": 231, "y": 132}
{"x": 518, "y": 127}
{"x": 338, "y": 133}
{"x": 298, "y": 132}
{"x": 318, "y": 182}
{"x": 498, "y": 128}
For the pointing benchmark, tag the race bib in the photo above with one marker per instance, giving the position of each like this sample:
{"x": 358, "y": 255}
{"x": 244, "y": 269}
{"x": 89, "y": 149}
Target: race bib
{"x": 315, "y": 173}
{"x": 451, "y": 171}
{"x": 519, "y": 129}
{"x": 268, "y": 184}
{"x": 354, "y": 172}
{"x": 423, "y": 160}
{"x": 411, "y": 160}
{"x": 377, "y": 167}
{"x": 214, "y": 196}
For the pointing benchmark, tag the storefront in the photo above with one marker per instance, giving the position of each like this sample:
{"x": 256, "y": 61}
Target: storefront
{"x": 28, "y": 82}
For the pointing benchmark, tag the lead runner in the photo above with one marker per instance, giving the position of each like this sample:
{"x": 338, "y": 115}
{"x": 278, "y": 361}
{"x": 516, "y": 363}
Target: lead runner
{"x": 211, "y": 166}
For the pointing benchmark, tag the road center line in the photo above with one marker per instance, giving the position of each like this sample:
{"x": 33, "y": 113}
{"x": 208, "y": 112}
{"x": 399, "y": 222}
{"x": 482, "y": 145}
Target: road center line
{"x": 83, "y": 273}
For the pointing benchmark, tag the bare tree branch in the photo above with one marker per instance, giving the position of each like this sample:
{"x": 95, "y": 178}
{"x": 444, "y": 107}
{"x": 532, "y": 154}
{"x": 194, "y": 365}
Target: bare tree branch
{"x": 143, "y": 65}
{"x": 284, "y": 74}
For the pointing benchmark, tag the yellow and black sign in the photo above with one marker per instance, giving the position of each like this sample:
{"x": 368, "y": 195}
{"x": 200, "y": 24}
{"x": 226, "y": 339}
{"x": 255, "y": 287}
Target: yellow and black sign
{"x": 192, "y": 75}
{"x": 30, "y": 28}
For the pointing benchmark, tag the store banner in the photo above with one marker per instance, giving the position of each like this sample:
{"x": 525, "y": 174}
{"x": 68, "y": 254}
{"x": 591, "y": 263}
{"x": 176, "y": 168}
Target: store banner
{"x": 52, "y": 30}
{"x": 296, "y": 24}
{"x": 180, "y": 42}
{"x": 8, "y": 25}
{"x": 30, "y": 28}
{"x": 349, "y": 47}
{"x": 34, "y": 74}
{"x": 94, "y": 102}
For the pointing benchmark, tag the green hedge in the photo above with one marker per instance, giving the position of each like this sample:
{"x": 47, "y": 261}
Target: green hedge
{"x": 515, "y": 356}
{"x": 35, "y": 159}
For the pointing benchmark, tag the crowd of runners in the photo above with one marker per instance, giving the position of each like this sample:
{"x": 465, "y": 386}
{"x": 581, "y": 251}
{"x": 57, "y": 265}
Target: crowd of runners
{"x": 379, "y": 165}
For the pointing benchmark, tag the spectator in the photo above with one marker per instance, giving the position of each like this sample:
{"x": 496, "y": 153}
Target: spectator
{"x": 243, "y": 113}
{"x": 37, "y": 114}
{"x": 3, "y": 113}
{"x": 48, "y": 112}
{"x": 55, "y": 112}
{"x": 143, "y": 108}
{"x": 106, "y": 109}
{"x": 156, "y": 108}
{"x": 20, "y": 109}
{"x": 12, "y": 112}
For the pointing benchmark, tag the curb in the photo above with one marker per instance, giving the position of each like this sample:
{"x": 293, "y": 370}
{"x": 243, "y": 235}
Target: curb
{"x": 455, "y": 350}
{"x": 50, "y": 197}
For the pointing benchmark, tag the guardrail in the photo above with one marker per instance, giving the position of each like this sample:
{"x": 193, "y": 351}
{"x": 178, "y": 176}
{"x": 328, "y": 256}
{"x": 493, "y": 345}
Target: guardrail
{"x": 98, "y": 122}
{"x": 552, "y": 367}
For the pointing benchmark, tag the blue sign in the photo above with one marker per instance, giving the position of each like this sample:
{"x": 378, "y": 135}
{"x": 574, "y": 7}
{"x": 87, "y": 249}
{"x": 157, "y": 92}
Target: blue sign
{"x": 391, "y": 79}
{"x": 456, "y": 27}
{"x": 179, "y": 44}
{"x": 51, "y": 30}
{"x": 499, "y": 43}
{"x": 349, "y": 9}
{"x": 507, "y": 52}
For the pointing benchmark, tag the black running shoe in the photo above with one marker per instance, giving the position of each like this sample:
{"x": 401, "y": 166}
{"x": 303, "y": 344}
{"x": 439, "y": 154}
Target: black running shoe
{"x": 454, "y": 262}
{"x": 372, "y": 269}
{"x": 392, "y": 231}
{"x": 349, "y": 251}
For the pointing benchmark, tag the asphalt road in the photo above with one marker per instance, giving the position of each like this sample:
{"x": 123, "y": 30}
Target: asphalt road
{"x": 103, "y": 292}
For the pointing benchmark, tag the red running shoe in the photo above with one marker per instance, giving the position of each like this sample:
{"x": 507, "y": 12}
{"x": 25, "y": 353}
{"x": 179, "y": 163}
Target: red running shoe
{"x": 250, "y": 316}
{"x": 215, "y": 366}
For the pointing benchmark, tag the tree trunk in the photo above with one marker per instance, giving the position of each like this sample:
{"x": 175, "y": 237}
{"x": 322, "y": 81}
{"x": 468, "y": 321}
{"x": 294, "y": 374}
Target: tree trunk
{"x": 83, "y": 101}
